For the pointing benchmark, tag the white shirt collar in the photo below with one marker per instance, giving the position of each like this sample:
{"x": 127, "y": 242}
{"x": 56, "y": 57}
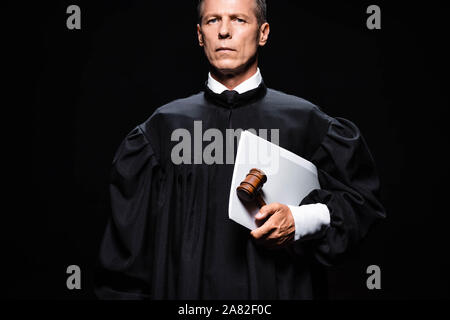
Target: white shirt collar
{"x": 249, "y": 84}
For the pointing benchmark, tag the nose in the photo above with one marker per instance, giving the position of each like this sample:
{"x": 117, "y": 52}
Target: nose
{"x": 224, "y": 30}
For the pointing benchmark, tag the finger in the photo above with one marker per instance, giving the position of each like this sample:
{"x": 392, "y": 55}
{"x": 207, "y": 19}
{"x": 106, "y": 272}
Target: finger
{"x": 272, "y": 241}
{"x": 266, "y": 230}
{"x": 262, "y": 232}
{"x": 267, "y": 211}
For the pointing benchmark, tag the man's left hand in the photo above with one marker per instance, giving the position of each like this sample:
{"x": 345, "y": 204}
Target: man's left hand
{"x": 278, "y": 231}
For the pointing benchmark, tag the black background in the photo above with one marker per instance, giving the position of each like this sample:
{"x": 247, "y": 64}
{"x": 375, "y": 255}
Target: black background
{"x": 92, "y": 86}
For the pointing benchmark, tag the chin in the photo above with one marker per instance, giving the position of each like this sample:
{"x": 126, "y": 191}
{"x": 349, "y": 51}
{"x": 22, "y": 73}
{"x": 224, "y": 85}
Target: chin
{"x": 227, "y": 66}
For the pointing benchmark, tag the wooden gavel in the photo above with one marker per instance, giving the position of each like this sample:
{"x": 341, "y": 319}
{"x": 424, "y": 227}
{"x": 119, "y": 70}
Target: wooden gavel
{"x": 250, "y": 187}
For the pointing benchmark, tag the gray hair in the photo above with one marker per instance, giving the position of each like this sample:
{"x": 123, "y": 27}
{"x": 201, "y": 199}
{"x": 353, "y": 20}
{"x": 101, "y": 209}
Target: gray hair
{"x": 260, "y": 12}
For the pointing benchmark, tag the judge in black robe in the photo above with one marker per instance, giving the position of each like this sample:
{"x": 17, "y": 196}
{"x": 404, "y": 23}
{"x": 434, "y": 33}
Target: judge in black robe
{"x": 169, "y": 235}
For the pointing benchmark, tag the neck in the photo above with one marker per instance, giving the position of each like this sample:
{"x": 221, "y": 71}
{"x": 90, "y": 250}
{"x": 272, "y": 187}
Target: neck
{"x": 231, "y": 79}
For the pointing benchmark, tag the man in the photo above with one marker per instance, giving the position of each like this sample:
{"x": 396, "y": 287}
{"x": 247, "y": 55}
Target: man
{"x": 169, "y": 236}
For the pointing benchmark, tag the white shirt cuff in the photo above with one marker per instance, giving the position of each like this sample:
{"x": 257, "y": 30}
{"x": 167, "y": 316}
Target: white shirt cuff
{"x": 309, "y": 219}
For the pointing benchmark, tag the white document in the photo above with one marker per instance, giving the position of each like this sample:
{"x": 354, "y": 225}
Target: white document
{"x": 290, "y": 178}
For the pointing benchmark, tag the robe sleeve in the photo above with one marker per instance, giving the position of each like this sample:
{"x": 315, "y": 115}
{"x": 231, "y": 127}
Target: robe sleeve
{"x": 349, "y": 187}
{"x": 124, "y": 265}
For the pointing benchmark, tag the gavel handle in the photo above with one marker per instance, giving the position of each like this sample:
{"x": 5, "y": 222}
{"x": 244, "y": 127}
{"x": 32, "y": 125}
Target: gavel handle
{"x": 259, "y": 200}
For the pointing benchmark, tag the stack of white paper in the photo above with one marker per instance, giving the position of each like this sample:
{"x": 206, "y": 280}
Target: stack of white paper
{"x": 289, "y": 177}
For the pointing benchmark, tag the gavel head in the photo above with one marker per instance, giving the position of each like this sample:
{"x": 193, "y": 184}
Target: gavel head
{"x": 249, "y": 188}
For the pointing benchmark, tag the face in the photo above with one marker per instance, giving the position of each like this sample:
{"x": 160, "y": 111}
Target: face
{"x": 230, "y": 34}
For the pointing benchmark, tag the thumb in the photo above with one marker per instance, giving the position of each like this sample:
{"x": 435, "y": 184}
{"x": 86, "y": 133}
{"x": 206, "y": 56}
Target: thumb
{"x": 264, "y": 212}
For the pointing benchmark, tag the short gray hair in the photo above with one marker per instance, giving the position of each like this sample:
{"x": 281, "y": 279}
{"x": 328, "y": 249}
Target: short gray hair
{"x": 261, "y": 11}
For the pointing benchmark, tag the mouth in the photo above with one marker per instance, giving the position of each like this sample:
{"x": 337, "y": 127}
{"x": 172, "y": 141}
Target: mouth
{"x": 225, "y": 49}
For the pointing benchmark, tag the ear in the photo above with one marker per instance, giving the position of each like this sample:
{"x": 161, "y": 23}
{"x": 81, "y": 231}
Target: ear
{"x": 264, "y": 31}
{"x": 199, "y": 35}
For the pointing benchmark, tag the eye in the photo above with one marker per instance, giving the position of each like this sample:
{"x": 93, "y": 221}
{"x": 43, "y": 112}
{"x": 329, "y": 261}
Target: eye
{"x": 213, "y": 20}
{"x": 240, "y": 20}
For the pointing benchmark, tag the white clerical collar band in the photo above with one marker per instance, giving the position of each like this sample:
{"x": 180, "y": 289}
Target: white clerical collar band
{"x": 249, "y": 84}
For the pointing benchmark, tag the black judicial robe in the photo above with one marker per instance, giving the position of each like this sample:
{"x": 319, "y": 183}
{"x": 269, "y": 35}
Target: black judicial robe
{"x": 169, "y": 235}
